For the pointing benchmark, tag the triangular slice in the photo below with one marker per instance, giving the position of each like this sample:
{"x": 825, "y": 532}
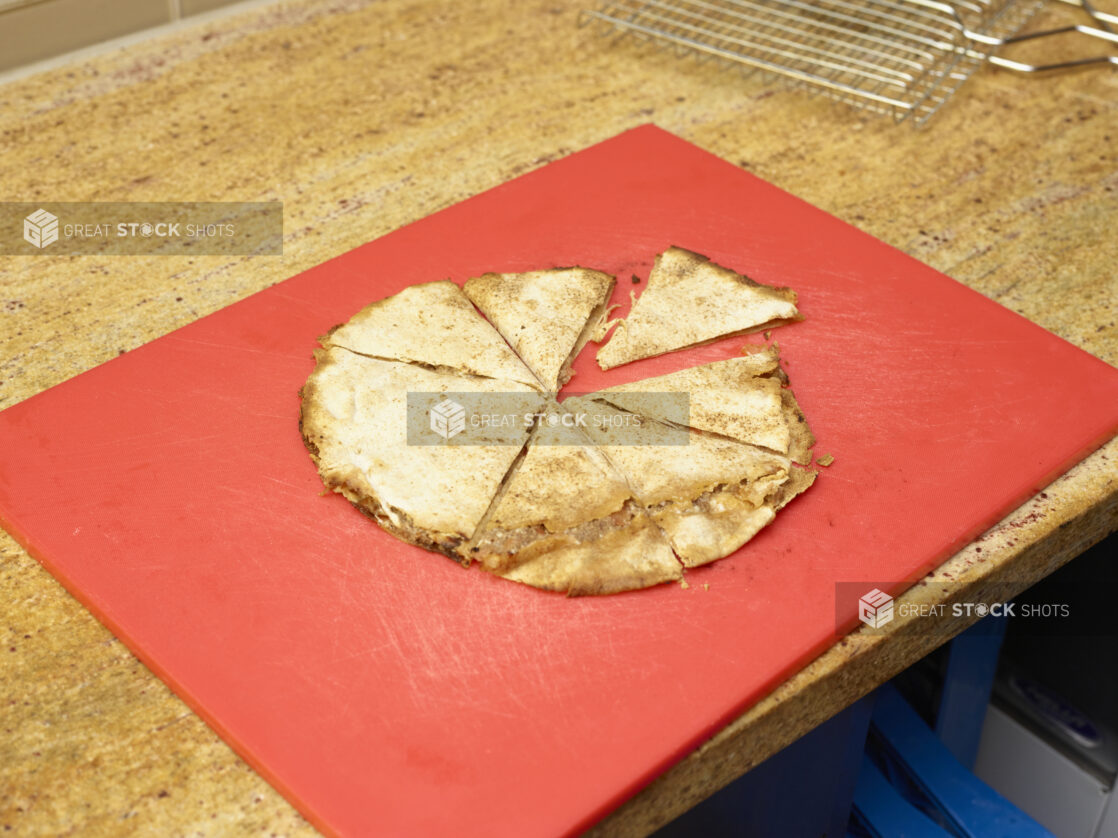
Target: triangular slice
{"x": 566, "y": 521}
{"x": 433, "y": 324}
{"x": 546, "y": 316}
{"x": 740, "y": 398}
{"x": 690, "y": 300}
{"x": 366, "y": 424}
{"x": 562, "y": 482}
{"x": 710, "y": 495}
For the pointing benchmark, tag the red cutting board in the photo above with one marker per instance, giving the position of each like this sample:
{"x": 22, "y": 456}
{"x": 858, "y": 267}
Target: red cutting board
{"x": 385, "y": 690}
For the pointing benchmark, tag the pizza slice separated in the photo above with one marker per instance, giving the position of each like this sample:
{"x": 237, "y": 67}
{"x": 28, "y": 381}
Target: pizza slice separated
{"x": 565, "y": 520}
{"x": 366, "y": 423}
{"x": 690, "y": 300}
{"x": 434, "y": 325}
{"x": 546, "y": 316}
{"x": 709, "y": 494}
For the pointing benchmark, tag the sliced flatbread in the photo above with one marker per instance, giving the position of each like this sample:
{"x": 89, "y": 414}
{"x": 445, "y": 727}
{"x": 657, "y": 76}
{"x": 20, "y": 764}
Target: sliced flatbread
{"x": 355, "y": 422}
{"x": 562, "y": 482}
{"x": 690, "y": 300}
{"x": 710, "y": 495}
{"x": 730, "y": 398}
{"x": 435, "y": 325}
{"x": 565, "y": 520}
{"x": 546, "y": 316}
{"x": 420, "y": 413}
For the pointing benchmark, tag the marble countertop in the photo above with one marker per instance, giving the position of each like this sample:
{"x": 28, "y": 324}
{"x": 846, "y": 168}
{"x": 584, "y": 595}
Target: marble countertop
{"x": 364, "y": 115}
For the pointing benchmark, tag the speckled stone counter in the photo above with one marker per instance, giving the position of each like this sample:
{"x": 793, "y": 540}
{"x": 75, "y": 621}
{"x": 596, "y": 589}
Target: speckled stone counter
{"x": 363, "y": 116}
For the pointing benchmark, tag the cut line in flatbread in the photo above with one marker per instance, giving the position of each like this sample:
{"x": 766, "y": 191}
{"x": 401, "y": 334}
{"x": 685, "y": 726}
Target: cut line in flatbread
{"x": 566, "y": 521}
{"x": 690, "y": 300}
{"x": 545, "y": 316}
{"x": 739, "y": 398}
{"x": 354, "y": 421}
{"x": 743, "y": 399}
{"x": 432, "y": 324}
{"x": 709, "y": 495}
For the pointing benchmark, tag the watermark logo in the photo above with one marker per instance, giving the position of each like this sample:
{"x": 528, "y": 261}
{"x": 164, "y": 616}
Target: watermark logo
{"x": 486, "y": 417}
{"x": 40, "y": 228}
{"x": 875, "y": 609}
{"x": 130, "y": 228}
{"x": 918, "y": 612}
{"x": 448, "y": 419}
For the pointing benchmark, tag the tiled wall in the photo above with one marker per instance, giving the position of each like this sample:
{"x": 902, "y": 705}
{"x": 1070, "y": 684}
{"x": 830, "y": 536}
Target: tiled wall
{"x": 31, "y": 30}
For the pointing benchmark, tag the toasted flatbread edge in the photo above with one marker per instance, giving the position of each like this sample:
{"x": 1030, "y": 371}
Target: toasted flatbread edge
{"x": 780, "y": 291}
{"x": 349, "y": 483}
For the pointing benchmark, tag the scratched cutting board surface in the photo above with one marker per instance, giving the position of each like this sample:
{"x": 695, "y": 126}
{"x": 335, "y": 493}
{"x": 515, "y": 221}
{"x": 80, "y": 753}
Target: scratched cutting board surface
{"x": 384, "y": 689}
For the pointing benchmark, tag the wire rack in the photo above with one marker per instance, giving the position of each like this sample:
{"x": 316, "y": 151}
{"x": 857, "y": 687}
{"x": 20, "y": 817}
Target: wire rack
{"x": 904, "y": 58}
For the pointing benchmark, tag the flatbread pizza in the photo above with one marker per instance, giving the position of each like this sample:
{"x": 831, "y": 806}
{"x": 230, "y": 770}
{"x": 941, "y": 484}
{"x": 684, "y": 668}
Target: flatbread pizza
{"x": 602, "y": 493}
{"x": 739, "y": 398}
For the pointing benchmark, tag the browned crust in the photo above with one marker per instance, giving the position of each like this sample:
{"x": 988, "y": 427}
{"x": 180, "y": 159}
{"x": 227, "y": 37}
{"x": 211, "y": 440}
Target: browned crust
{"x": 779, "y": 292}
{"x": 752, "y": 330}
{"x": 478, "y": 293}
{"x": 626, "y": 557}
{"x": 345, "y": 481}
{"x": 769, "y": 324}
{"x": 324, "y": 339}
{"x": 802, "y": 439}
{"x": 799, "y": 481}
{"x": 501, "y": 550}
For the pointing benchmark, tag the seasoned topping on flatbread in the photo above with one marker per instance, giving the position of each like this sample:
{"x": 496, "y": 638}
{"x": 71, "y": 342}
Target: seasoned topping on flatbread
{"x": 546, "y": 316}
{"x": 566, "y": 520}
{"x": 662, "y": 463}
{"x": 562, "y": 482}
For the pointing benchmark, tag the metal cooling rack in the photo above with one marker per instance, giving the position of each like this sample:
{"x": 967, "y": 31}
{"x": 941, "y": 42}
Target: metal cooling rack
{"x": 903, "y": 58}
